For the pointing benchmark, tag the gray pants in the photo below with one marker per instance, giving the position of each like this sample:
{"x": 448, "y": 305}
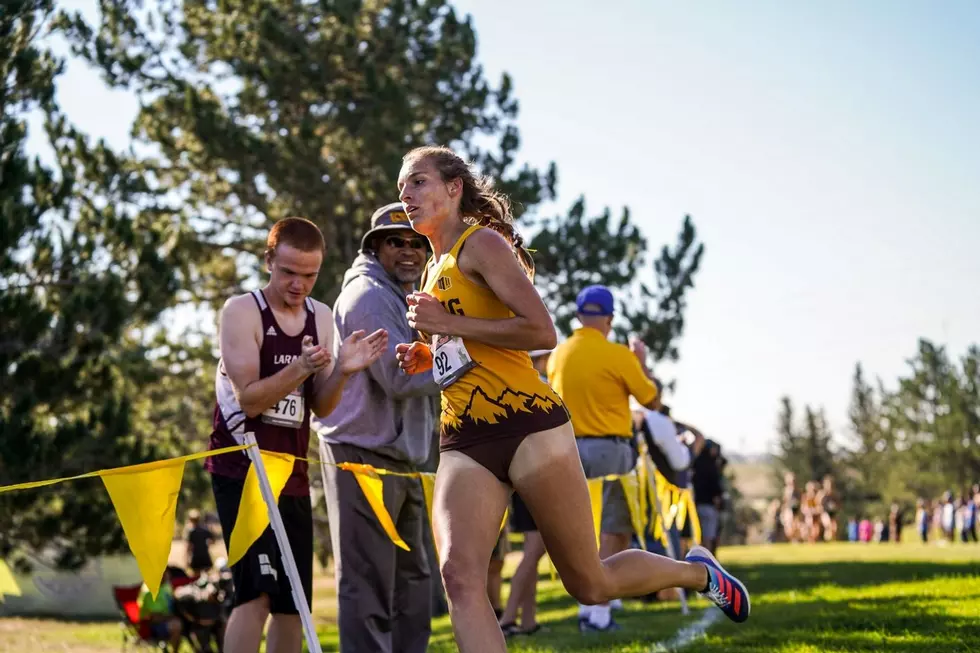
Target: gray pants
{"x": 609, "y": 455}
{"x": 383, "y": 592}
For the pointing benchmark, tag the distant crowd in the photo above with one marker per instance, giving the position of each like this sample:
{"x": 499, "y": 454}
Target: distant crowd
{"x": 814, "y": 514}
{"x": 949, "y": 517}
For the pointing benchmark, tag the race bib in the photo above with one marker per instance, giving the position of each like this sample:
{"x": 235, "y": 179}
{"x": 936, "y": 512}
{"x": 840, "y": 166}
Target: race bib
{"x": 450, "y": 360}
{"x": 287, "y": 412}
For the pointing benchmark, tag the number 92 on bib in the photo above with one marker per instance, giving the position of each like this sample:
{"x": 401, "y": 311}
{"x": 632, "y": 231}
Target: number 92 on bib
{"x": 450, "y": 360}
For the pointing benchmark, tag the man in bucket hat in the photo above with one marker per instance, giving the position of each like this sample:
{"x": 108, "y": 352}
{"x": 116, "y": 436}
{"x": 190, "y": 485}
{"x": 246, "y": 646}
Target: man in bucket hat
{"x": 384, "y": 419}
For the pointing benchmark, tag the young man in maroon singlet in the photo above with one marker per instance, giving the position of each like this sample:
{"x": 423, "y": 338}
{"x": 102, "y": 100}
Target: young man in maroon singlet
{"x": 277, "y": 367}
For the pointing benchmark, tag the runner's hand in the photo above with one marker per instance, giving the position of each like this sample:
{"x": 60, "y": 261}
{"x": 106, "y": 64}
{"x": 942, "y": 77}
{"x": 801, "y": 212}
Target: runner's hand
{"x": 313, "y": 357}
{"x": 414, "y": 358}
{"x": 357, "y": 351}
{"x": 426, "y": 314}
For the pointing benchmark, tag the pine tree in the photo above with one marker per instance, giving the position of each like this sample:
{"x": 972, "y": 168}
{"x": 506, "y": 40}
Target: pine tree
{"x": 817, "y": 459}
{"x": 574, "y": 251}
{"x": 258, "y": 110}
{"x": 788, "y": 454}
{"x": 85, "y": 264}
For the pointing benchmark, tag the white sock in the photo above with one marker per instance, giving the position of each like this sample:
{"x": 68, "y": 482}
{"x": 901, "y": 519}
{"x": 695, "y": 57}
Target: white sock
{"x": 616, "y": 604}
{"x": 601, "y": 615}
{"x": 584, "y": 611}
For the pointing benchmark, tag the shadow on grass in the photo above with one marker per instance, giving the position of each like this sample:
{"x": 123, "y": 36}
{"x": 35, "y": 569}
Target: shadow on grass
{"x": 782, "y": 577}
{"x": 893, "y": 624}
{"x": 904, "y": 624}
{"x": 897, "y": 624}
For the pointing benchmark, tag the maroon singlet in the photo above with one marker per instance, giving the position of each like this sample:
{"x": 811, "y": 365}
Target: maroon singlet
{"x": 285, "y": 427}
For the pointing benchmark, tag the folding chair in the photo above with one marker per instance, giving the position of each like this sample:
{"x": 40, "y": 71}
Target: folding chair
{"x": 136, "y": 631}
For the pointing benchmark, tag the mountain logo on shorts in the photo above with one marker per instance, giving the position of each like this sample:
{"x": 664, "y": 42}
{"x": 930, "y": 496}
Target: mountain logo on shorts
{"x": 483, "y": 412}
{"x": 444, "y": 283}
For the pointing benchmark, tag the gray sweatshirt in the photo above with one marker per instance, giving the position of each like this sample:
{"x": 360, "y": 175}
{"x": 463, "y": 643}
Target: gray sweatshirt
{"x": 382, "y": 408}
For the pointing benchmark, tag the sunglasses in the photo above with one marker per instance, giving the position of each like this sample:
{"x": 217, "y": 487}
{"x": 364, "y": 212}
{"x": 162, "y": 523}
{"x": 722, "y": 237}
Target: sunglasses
{"x": 414, "y": 243}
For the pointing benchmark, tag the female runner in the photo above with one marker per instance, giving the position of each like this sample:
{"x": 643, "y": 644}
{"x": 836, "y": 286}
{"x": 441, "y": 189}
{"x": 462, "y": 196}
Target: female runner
{"x": 501, "y": 426}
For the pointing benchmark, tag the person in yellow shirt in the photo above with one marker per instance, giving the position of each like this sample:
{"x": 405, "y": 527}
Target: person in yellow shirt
{"x": 502, "y": 428}
{"x": 159, "y": 612}
{"x": 595, "y": 379}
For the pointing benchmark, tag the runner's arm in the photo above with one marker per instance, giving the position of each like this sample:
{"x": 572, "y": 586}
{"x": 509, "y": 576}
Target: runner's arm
{"x": 239, "y": 337}
{"x": 489, "y": 256}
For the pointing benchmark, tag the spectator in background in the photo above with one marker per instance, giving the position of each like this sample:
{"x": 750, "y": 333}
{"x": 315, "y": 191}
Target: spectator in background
{"x": 947, "y": 516}
{"x": 922, "y": 519}
{"x": 199, "y": 539}
{"x": 865, "y": 530}
{"x": 663, "y": 440}
{"x": 829, "y": 504}
{"x": 852, "y": 530}
{"x": 706, "y": 480}
{"x": 791, "y": 507}
{"x": 159, "y": 612}
{"x": 895, "y": 523}
{"x": 384, "y": 418}
{"x": 968, "y": 520}
{"x": 972, "y": 510}
{"x": 671, "y": 456}
{"x": 880, "y": 531}
{"x": 595, "y": 379}
{"x": 810, "y": 507}
{"x": 199, "y": 605}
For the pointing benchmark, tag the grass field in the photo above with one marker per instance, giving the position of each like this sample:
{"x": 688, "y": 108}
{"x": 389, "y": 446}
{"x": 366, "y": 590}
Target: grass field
{"x": 839, "y": 597}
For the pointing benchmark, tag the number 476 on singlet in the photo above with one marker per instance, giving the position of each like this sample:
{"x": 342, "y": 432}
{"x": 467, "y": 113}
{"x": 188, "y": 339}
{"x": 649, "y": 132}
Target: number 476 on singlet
{"x": 288, "y": 411}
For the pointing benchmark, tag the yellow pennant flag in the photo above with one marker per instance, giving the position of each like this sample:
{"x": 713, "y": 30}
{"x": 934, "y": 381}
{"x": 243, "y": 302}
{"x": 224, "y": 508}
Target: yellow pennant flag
{"x": 653, "y": 498}
{"x": 145, "y": 498}
{"x": 253, "y": 514}
{"x": 692, "y": 514}
{"x": 428, "y": 491}
{"x": 8, "y": 584}
{"x": 642, "y": 474}
{"x": 595, "y": 498}
{"x": 681, "y": 509}
{"x": 631, "y": 488}
{"x": 371, "y": 486}
{"x": 657, "y": 529}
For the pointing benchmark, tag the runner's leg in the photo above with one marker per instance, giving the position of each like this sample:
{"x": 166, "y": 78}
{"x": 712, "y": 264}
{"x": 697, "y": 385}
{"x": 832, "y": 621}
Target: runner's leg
{"x": 547, "y": 473}
{"x": 468, "y": 507}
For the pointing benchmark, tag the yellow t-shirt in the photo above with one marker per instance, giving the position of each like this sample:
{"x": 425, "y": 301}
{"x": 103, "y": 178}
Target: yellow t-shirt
{"x": 595, "y": 378}
{"x": 503, "y": 395}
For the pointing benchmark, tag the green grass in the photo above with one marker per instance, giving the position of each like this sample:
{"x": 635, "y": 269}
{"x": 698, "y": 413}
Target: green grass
{"x": 838, "y": 598}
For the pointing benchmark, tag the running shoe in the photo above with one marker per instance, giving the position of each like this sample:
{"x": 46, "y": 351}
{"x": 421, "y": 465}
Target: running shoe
{"x": 724, "y": 590}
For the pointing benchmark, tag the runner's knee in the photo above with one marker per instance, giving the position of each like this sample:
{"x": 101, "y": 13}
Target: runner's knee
{"x": 587, "y": 589}
{"x": 463, "y": 579}
{"x": 586, "y": 593}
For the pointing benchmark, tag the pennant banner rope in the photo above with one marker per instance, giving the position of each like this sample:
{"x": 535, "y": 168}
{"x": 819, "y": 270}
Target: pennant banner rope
{"x": 129, "y": 469}
{"x": 145, "y": 499}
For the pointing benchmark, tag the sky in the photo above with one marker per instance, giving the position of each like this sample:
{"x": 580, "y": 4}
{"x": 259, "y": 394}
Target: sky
{"x": 828, "y": 153}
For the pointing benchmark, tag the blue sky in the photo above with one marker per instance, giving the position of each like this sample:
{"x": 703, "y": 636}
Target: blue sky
{"x": 828, "y": 152}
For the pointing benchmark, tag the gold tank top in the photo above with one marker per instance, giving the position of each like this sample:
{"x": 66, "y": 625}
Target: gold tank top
{"x": 503, "y": 395}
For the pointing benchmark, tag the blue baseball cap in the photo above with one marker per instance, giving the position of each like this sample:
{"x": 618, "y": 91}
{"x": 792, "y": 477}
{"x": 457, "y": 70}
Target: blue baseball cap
{"x": 597, "y": 296}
